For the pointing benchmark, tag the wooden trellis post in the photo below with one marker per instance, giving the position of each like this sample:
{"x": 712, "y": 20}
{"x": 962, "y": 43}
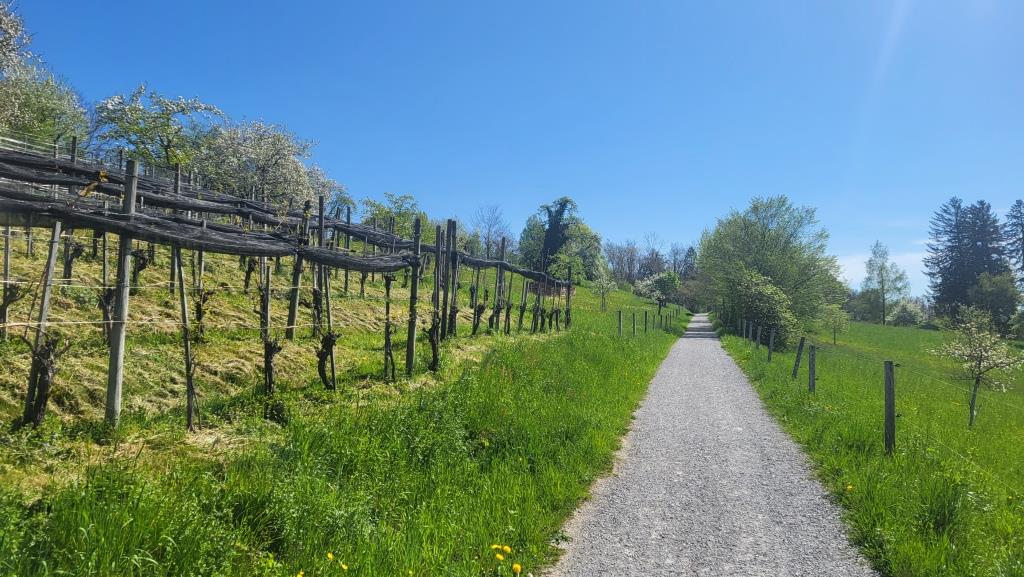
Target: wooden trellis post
{"x": 115, "y": 370}
{"x": 325, "y": 289}
{"x": 186, "y": 341}
{"x": 410, "y": 343}
{"x": 499, "y": 286}
{"x": 44, "y": 311}
{"x": 568, "y": 305}
{"x": 293, "y": 301}
{"x": 175, "y": 254}
{"x": 348, "y": 240}
{"x": 7, "y": 278}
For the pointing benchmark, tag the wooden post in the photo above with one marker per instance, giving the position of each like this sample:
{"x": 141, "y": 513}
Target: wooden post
{"x": 811, "y": 377}
{"x": 186, "y": 341}
{"x": 175, "y": 254}
{"x": 634, "y": 323}
{"x": 414, "y": 287}
{"x": 799, "y": 353}
{"x": 325, "y": 290}
{"x": 445, "y": 263}
{"x": 645, "y": 321}
{"x": 499, "y": 287}
{"x": 620, "y": 323}
{"x": 293, "y": 301}
{"x": 7, "y": 277}
{"x": 348, "y": 241}
{"x": 44, "y": 311}
{"x": 115, "y": 370}
{"x": 771, "y": 343}
{"x": 455, "y": 263}
{"x": 890, "y": 408}
{"x": 568, "y": 302}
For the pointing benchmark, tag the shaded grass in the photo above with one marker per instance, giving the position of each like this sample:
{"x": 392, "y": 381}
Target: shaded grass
{"x": 948, "y": 502}
{"x": 419, "y": 482}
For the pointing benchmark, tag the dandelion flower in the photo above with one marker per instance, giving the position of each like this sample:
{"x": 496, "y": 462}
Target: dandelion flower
{"x": 517, "y": 568}
{"x": 499, "y": 556}
{"x": 506, "y": 549}
{"x": 495, "y": 546}
{"x": 301, "y": 574}
{"x": 330, "y": 556}
{"x": 849, "y": 488}
{"x": 344, "y": 567}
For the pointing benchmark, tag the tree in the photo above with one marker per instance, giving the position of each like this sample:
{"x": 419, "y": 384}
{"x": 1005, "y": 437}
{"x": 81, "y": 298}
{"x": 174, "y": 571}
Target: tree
{"x": 689, "y": 266}
{"x": 582, "y": 251}
{"x": 907, "y": 313}
{"x": 14, "y": 39}
{"x": 335, "y": 194}
{"x": 835, "y": 319}
{"x": 766, "y": 305}
{"x": 490, "y": 224}
{"x": 153, "y": 128}
{"x": 623, "y": 260}
{"x": 780, "y": 242}
{"x": 980, "y": 352}
{"x": 558, "y": 215}
{"x": 531, "y": 243}
{"x": 603, "y": 286}
{"x": 402, "y": 207}
{"x": 257, "y": 159}
{"x": 1013, "y": 230}
{"x": 998, "y": 296}
{"x": 964, "y": 243}
{"x": 37, "y": 103}
{"x": 887, "y": 281}
{"x": 661, "y": 287}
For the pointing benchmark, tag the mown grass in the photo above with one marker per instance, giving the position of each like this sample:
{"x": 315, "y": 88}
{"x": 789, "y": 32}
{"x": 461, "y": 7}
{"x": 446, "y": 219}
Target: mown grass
{"x": 421, "y": 482}
{"x": 949, "y": 501}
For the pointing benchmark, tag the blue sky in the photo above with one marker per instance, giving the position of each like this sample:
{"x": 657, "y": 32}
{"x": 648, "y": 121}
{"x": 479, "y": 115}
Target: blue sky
{"x": 655, "y": 116}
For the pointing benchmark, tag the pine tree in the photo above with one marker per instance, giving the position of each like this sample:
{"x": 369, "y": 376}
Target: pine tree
{"x": 947, "y": 256}
{"x": 1014, "y": 231}
{"x": 986, "y": 242}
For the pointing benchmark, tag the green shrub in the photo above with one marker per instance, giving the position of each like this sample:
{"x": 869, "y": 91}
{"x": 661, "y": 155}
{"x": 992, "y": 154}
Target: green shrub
{"x": 764, "y": 304}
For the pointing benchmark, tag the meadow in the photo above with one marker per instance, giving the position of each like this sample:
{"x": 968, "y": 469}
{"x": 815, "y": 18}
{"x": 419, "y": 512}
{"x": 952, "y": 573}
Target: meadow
{"x": 418, "y": 477}
{"x": 949, "y": 500}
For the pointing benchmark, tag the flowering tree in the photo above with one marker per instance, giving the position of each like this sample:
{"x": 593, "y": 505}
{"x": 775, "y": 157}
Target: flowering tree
{"x": 13, "y": 38}
{"x": 980, "y": 353}
{"x": 835, "y": 319}
{"x": 603, "y": 285}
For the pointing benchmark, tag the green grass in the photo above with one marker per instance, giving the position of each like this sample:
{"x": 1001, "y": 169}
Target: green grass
{"x": 949, "y": 501}
{"x": 418, "y": 482}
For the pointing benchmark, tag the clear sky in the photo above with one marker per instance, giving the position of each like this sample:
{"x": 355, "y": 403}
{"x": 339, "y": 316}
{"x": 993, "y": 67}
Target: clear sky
{"x": 655, "y": 116}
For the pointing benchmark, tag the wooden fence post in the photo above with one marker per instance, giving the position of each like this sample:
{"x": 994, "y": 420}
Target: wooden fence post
{"x": 414, "y": 287}
{"x": 453, "y": 277}
{"x": 890, "y": 408}
{"x": 568, "y": 301}
{"x": 499, "y": 286}
{"x": 645, "y": 321}
{"x": 348, "y": 240}
{"x": 811, "y": 376}
{"x": 771, "y": 343}
{"x": 799, "y": 353}
{"x": 634, "y": 323}
{"x": 115, "y": 370}
{"x": 445, "y": 263}
{"x": 620, "y": 323}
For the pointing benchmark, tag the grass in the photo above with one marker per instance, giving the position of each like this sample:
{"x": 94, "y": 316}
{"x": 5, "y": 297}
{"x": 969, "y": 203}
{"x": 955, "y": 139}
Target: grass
{"x": 414, "y": 478}
{"x": 949, "y": 501}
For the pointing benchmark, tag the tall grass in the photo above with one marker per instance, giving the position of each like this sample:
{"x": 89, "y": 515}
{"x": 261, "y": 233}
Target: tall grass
{"x": 423, "y": 484}
{"x": 948, "y": 502}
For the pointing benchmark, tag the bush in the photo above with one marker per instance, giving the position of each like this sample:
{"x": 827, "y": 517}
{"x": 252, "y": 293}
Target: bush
{"x": 907, "y": 314}
{"x": 766, "y": 305}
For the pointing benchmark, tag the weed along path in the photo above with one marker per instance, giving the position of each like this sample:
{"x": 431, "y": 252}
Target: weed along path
{"x": 707, "y": 484}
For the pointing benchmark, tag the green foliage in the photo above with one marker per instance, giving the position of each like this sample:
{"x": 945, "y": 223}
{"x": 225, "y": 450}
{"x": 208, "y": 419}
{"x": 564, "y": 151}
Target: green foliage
{"x": 979, "y": 351}
{"x": 531, "y": 243}
{"x": 764, "y": 304}
{"x": 402, "y": 207}
{"x": 36, "y": 103}
{"x": 998, "y": 296}
{"x": 153, "y": 128}
{"x": 884, "y": 282}
{"x": 906, "y": 313}
{"x": 949, "y": 501}
{"x": 582, "y": 250}
{"x": 779, "y": 241}
{"x": 835, "y": 320}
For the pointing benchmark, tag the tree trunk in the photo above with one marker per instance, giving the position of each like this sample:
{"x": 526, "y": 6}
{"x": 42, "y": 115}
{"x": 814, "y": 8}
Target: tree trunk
{"x": 974, "y": 400}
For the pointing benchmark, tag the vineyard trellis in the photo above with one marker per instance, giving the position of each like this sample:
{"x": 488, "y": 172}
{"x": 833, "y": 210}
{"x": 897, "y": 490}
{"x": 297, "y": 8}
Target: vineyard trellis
{"x": 40, "y": 190}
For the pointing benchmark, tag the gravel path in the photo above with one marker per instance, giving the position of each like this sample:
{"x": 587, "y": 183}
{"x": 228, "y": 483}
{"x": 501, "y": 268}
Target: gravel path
{"x": 707, "y": 484}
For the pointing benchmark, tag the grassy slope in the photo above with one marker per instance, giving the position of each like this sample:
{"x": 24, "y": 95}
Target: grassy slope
{"x": 949, "y": 501}
{"x": 418, "y": 481}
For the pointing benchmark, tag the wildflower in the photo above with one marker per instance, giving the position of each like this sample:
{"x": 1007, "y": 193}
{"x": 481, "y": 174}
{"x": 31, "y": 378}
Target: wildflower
{"x": 344, "y": 567}
{"x": 497, "y": 556}
{"x": 330, "y": 556}
{"x": 301, "y": 574}
{"x": 849, "y": 488}
{"x": 517, "y": 568}
{"x": 495, "y": 547}
{"x": 506, "y": 549}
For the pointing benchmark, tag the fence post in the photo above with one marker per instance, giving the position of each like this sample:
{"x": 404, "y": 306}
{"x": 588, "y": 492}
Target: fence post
{"x": 890, "y": 408}
{"x": 348, "y": 240}
{"x": 293, "y": 301}
{"x": 799, "y": 353}
{"x": 771, "y": 342}
{"x": 44, "y": 311}
{"x": 186, "y": 343}
{"x": 115, "y": 370}
{"x": 410, "y": 344}
{"x": 645, "y": 321}
{"x": 811, "y": 377}
{"x": 620, "y": 323}
{"x": 634, "y": 323}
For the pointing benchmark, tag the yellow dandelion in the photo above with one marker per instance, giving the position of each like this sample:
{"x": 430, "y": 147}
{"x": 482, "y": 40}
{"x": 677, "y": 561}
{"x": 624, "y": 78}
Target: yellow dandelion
{"x": 301, "y": 574}
{"x": 517, "y": 568}
{"x": 499, "y": 556}
{"x": 330, "y": 556}
{"x": 506, "y": 549}
{"x": 849, "y": 488}
{"x": 495, "y": 546}
{"x": 344, "y": 567}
